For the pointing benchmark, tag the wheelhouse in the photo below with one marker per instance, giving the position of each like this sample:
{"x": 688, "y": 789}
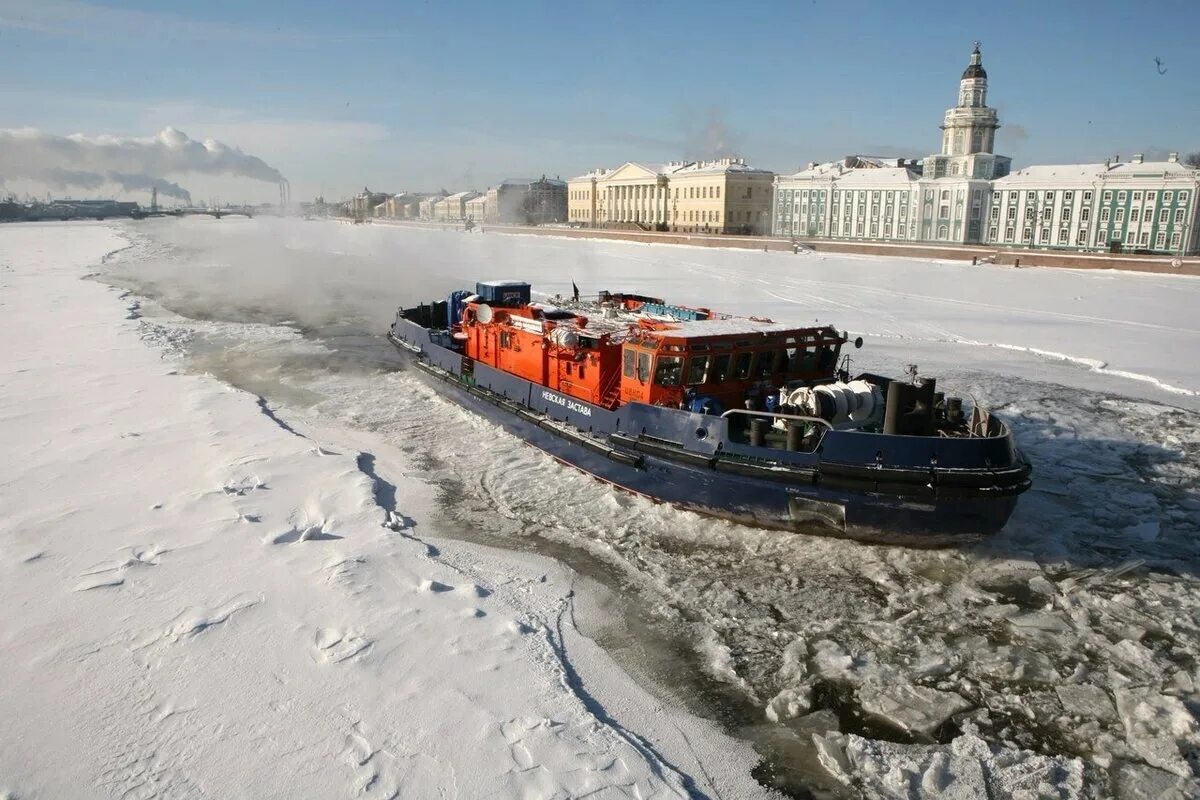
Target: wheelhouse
{"x": 723, "y": 361}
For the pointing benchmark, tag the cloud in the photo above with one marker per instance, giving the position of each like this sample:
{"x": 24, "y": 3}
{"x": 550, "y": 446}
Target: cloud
{"x": 133, "y": 183}
{"x": 59, "y": 178}
{"x": 132, "y": 163}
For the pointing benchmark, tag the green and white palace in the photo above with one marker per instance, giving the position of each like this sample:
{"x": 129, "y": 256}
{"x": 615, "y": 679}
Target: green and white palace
{"x": 968, "y": 195}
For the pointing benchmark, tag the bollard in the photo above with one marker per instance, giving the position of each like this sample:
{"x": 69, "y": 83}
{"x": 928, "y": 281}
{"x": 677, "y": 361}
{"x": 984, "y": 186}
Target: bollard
{"x": 954, "y": 410}
{"x": 758, "y": 431}
{"x": 795, "y": 435}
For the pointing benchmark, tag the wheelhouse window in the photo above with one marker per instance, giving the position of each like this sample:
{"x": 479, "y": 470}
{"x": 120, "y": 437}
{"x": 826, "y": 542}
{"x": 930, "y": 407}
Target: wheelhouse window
{"x": 742, "y": 366}
{"x": 669, "y": 371}
{"x": 697, "y": 370}
{"x": 720, "y": 369}
{"x": 763, "y": 365}
{"x": 643, "y": 367}
{"x": 630, "y": 359}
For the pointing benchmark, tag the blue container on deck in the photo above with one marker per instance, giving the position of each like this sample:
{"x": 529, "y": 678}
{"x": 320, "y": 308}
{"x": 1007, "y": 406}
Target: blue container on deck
{"x": 454, "y": 306}
{"x": 503, "y": 293}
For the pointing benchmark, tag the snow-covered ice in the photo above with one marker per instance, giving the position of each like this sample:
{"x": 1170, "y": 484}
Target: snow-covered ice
{"x": 1066, "y": 649}
{"x": 204, "y": 599}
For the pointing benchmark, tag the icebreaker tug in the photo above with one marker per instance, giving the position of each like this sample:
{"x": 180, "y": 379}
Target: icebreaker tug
{"x": 741, "y": 418}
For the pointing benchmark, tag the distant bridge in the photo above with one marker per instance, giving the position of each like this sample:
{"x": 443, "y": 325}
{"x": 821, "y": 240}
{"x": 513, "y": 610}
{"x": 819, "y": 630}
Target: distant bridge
{"x": 217, "y": 213}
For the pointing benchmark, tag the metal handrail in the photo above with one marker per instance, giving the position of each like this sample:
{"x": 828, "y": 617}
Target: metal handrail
{"x": 824, "y": 422}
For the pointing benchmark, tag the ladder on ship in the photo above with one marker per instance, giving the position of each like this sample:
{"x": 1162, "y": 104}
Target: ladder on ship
{"x": 610, "y": 395}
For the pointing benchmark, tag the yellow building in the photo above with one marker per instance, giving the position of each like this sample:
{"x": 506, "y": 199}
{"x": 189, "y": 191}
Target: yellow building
{"x": 476, "y": 209}
{"x": 582, "y": 199}
{"x": 720, "y": 196}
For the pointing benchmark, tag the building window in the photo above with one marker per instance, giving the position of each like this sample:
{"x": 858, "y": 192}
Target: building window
{"x": 995, "y": 197}
{"x": 1087, "y": 197}
{"x": 1064, "y": 236}
{"x": 1121, "y": 197}
{"x": 1179, "y": 213}
{"x": 1175, "y": 240}
{"x": 1027, "y": 234}
{"x": 1066, "y": 215}
{"x": 1160, "y": 241}
{"x": 1104, "y": 214}
{"x": 1108, "y": 197}
{"x": 1134, "y": 214}
{"x": 1168, "y": 197}
{"x": 1120, "y": 215}
{"x": 945, "y": 194}
{"x": 1049, "y": 197}
{"x": 1047, "y": 213}
{"x": 1044, "y": 236}
{"x": 1145, "y": 238}
{"x": 996, "y": 213}
{"x": 1163, "y": 215}
{"x": 944, "y": 212}
{"x": 1137, "y": 195}
{"x": 942, "y": 231}
{"x": 1183, "y": 197}
{"x": 1029, "y": 214}
{"x": 1085, "y": 214}
{"x": 1068, "y": 197}
{"x": 1081, "y": 238}
{"x": 992, "y": 234}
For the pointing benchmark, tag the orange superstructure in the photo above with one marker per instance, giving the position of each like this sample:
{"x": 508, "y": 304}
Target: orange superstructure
{"x": 618, "y": 353}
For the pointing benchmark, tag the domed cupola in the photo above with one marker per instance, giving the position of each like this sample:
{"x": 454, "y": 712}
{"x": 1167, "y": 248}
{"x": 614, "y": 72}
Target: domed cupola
{"x": 975, "y": 68}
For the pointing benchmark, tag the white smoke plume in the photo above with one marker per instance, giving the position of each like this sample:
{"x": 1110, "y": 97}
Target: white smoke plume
{"x": 132, "y": 163}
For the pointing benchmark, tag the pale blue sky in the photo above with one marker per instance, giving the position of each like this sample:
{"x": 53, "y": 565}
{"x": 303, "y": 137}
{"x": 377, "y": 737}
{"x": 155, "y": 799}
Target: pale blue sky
{"x": 424, "y": 95}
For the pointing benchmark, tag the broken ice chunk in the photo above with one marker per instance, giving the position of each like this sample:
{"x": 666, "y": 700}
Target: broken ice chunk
{"x": 913, "y": 709}
{"x": 1087, "y": 701}
{"x": 1155, "y": 726}
{"x": 789, "y": 703}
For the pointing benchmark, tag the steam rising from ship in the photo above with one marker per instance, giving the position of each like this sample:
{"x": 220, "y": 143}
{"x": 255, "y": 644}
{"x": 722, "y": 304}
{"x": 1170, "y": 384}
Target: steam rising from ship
{"x": 134, "y": 164}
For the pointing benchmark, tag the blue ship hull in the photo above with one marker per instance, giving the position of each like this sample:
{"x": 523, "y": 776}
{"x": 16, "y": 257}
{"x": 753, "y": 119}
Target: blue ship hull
{"x": 913, "y": 490}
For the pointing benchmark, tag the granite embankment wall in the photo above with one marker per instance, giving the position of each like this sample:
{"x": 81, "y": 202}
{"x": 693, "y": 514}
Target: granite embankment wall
{"x": 1003, "y": 257}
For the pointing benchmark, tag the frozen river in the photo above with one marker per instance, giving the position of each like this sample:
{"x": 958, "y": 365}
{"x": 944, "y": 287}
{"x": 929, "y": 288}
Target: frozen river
{"x": 1062, "y": 654}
